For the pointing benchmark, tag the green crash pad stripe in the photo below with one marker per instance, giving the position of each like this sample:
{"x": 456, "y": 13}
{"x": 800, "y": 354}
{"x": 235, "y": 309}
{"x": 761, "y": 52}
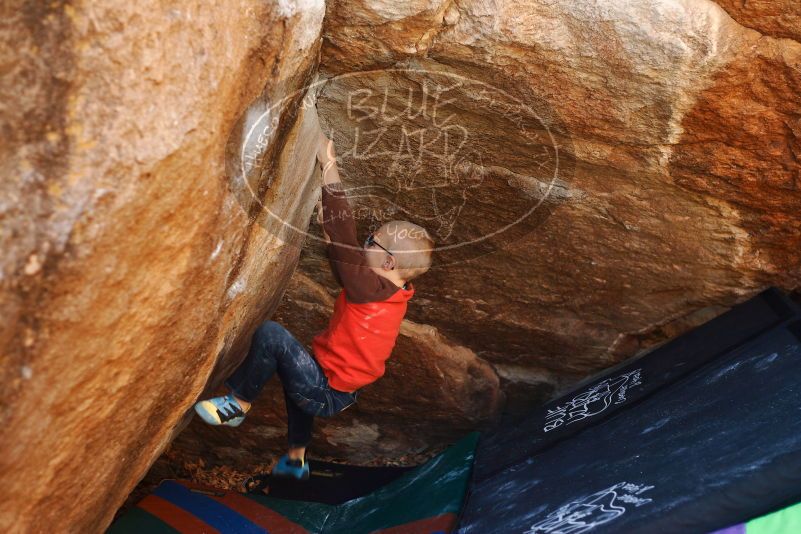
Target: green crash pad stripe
{"x": 782, "y": 522}
{"x": 138, "y": 521}
{"x": 431, "y": 525}
{"x": 435, "y": 488}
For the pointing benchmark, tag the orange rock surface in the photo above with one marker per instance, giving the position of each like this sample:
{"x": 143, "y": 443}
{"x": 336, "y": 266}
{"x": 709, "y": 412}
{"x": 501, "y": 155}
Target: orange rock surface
{"x": 600, "y": 175}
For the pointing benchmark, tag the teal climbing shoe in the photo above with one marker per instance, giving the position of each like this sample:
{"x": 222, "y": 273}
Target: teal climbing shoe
{"x": 291, "y": 468}
{"x": 221, "y": 411}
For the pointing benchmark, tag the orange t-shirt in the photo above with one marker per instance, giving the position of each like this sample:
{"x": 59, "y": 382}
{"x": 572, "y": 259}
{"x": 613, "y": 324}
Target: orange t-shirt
{"x": 360, "y": 337}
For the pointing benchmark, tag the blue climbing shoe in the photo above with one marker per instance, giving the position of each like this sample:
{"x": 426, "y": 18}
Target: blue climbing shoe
{"x": 291, "y": 468}
{"x": 221, "y": 411}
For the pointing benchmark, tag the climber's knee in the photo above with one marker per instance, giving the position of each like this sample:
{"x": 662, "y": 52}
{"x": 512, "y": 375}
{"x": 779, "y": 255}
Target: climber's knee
{"x": 269, "y": 330}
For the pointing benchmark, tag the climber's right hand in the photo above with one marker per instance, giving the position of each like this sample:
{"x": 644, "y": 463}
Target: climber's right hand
{"x": 325, "y": 148}
{"x": 320, "y": 220}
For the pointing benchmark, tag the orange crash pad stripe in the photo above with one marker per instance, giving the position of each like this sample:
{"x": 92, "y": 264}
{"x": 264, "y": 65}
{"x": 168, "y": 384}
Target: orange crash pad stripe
{"x": 429, "y": 525}
{"x": 251, "y": 510}
{"x": 260, "y": 515}
{"x": 176, "y": 517}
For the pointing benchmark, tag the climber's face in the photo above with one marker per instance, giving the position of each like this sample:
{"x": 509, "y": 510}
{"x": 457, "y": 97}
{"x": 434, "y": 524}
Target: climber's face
{"x": 377, "y": 254}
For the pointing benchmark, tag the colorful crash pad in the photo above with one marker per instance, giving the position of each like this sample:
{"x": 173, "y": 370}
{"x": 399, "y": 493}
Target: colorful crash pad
{"x": 425, "y": 500}
{"x": 784, "y": 521}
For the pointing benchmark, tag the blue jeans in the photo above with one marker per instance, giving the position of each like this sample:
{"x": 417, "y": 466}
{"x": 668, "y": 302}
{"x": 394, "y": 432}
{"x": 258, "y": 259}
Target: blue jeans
{"x": 306, "y": 390}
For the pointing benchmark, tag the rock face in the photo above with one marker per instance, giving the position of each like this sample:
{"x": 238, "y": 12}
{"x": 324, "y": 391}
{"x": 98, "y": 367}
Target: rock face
{"x": 132, "y": 261}
{"x": 774, "y": 18}
{"x": 599, "y": 175}
{"x": 679, "y": 131}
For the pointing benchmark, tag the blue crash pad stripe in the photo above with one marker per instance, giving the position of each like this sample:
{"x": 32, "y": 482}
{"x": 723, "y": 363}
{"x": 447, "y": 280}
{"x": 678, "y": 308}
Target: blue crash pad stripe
{"x": 215, "y": 514}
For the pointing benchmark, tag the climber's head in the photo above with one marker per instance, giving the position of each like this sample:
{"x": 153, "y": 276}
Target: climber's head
{"x": 401, "y": 246}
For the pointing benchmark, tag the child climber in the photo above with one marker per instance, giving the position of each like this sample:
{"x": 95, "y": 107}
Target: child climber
{"x": 351, "y": 352}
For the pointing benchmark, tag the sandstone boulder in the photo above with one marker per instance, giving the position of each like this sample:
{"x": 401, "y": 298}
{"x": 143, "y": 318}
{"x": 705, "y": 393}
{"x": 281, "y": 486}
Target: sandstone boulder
{"x": 600, "y": 175}
{"x": 131, "y": 264}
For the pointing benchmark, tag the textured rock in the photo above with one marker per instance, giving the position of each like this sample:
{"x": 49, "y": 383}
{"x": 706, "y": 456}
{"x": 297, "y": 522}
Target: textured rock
{"x": 130, "y": 265}
{"x": 657, "y": 142}
{"x": 750, "y": 119}
{"x": 680, "y": 194}
{"x": 776, "y": 18}
{"x": 601, "y": 174}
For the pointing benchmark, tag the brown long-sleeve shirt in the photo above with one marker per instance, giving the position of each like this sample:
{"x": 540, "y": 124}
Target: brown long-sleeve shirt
{"x": 346, "y": 255}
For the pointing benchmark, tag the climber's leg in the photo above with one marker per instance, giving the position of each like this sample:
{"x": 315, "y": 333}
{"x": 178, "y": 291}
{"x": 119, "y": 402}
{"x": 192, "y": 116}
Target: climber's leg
{"x": 299, "y": 376}
{"x": 270, "y": 342}
{"x": 306, "y": 394}
{"x": 299, "y": 429}
{"x": 299, "y": 432}
{"x": 306, "y": 385}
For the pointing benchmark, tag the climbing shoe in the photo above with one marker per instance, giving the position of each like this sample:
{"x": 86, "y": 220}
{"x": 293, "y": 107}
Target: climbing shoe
{"x": 221, "y": 411}
{"x": 291, "y": 468}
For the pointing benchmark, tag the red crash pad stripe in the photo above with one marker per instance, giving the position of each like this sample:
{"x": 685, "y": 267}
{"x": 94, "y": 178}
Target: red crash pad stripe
{"x": 176, "y": 517}
{"x": 262, "y": 516}
{"x": 429, "y": 525}
{"x": 251, "y": 510}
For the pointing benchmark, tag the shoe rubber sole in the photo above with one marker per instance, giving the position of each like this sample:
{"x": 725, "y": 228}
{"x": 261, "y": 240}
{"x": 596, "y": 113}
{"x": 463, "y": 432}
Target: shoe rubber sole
{"x": 208, "y": 412}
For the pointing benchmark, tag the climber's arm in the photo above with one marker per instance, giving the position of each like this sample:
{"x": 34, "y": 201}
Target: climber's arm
{"x": 338, "y": 223}
{"x": 346, "y": 255}
{"x": 347, "y": 259}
